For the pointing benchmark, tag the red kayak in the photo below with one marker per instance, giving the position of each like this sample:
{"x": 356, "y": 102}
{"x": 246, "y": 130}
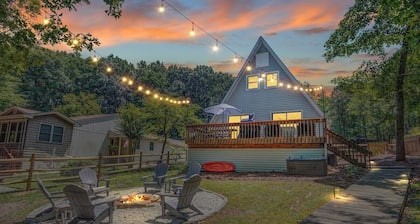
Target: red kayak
{"x": 218, "y": 166}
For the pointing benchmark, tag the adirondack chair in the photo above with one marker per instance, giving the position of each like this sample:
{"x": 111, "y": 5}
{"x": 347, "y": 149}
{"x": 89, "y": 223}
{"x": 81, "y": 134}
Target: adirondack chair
{"x": 177, "y": 204}
{"x": 60, "y": 206}
{"x": 90, "y": 180}
{"x": 87, "y": 210}
{"x": 158, "y": 179}
{"x": 193, "y": 168}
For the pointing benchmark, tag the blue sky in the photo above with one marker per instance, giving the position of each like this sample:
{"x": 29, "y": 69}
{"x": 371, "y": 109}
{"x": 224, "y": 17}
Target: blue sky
{"x": 295, "y": 29}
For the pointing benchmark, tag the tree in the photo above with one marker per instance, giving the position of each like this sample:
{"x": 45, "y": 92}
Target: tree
{"x": 23, "y": 26}
{"x": 81, "y": 104}
{"x": 373, "y": 27}
{"x": 133, "y": 123}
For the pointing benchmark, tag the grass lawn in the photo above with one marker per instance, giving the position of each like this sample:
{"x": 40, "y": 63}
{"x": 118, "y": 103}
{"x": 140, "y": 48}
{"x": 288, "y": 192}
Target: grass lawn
{"x": 248, "y": 201}
{"x": 268, "y": 201}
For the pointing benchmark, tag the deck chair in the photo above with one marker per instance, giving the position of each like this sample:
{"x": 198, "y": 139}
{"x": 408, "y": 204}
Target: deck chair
{"x": 193, "y": 168}
{"x": 158, "y": 179}
{"x": 59, "y": 205}
{"x": 178, "y": 204}
{"x": 90, "y": 180}
{"x": 87, "y": 210}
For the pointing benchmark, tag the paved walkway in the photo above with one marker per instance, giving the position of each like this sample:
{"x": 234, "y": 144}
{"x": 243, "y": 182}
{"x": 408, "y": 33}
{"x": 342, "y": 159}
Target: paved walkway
{"x": 376, "y": 198}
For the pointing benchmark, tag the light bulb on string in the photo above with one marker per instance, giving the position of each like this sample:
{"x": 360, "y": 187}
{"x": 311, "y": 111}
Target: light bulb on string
{"x": 108, "y": 69}
{"x": 95, "y": 59}
{"x": 216, "y": 46}
{"x": 248, "y": 68}
{"x": 161, "y": 7}
{"x": 130, "y": 82}
{"x": 235, "y": 59}
{"x": 192, "y": 32}
{"x": 46, "y": 21}
{"x": 124, "y": 79}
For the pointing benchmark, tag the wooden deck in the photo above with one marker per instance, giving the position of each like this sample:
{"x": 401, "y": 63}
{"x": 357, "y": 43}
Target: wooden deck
{"x": 306, "y": 133}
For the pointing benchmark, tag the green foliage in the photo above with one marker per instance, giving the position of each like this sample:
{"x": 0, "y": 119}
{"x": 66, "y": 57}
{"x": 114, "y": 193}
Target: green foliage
{"x": 76, "y": 105}
{"x": 22, "y": 28}
{"x": 378, "y": 27}
{"x": 133, "y": 123}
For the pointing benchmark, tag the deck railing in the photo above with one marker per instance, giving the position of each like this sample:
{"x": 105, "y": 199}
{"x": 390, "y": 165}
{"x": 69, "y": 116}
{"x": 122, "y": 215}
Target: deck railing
{"x": 305, "y": 131}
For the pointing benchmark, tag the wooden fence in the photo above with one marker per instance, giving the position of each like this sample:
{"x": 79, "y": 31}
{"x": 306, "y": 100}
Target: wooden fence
{"x": 60, "y": 170}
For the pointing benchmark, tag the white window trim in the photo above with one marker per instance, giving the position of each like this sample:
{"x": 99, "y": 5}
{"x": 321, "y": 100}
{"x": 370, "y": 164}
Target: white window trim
{"x": 51, "y": 133}
{"x": 258, "y": 82}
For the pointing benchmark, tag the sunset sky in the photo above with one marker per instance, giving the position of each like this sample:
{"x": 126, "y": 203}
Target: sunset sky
{"x": 295, "y": 29}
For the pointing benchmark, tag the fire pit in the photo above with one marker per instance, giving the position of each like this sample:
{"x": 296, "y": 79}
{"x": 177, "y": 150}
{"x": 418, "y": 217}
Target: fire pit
{"x": 137, "y": 200}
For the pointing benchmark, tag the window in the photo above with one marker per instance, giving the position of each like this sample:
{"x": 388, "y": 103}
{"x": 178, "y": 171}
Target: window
{"x": 11, "y": 132}
{"x": 50, "y": 133}
{"x": 3, "y": 132}
{"x": 261, "y": 60}
{"x": 252, "y": 82}
{"x": 271, "y": 79}
{"x": 151, "y": 146}
{"x": 281, "y": 116}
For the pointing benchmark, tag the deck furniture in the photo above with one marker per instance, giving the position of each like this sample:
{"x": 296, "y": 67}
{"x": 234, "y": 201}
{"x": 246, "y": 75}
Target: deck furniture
{"x": 171, "y": 183}
{"x": 158, "y": 179}
{"x": 59, "y": 205}
{"x": 178, "y": 204}
{"x": 87, "y": 210}
{"x": 89, "y": 179}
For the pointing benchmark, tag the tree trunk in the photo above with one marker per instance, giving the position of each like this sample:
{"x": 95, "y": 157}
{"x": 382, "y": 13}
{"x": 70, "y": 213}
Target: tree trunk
{"x": 400, "y": 150}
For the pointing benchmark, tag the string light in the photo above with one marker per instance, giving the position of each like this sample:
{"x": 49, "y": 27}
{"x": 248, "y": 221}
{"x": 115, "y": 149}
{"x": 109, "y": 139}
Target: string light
{"x": 95, "y": 59}
{"x": 108, "y": 69}
{"x": 192, "y": 32}
{"x": 161, "y": 7}
{"x": 216, "y": 46}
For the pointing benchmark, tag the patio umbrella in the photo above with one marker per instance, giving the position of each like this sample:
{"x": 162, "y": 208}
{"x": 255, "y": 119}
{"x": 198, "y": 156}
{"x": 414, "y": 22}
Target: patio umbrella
{"x": 222, "y": 109}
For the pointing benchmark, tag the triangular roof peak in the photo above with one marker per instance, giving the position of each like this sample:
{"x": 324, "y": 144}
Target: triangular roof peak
{"x": 261, "y": 46}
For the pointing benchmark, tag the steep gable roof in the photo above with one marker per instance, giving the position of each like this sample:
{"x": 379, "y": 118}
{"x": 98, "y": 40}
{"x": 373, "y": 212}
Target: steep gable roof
{"x": 261, "y": 43}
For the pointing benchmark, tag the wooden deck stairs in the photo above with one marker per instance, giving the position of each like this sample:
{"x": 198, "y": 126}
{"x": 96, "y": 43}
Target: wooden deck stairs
{"x": 347, "y": 150}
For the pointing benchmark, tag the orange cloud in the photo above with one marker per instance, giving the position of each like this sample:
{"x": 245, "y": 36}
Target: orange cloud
{"x": 140, "y": 21}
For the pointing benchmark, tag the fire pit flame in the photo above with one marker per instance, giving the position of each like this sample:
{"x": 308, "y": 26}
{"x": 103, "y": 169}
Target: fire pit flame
{"x": 136, "y": 200}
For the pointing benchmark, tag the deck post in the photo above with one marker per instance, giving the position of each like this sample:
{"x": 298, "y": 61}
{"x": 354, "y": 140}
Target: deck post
{"x": 30, "y": 172}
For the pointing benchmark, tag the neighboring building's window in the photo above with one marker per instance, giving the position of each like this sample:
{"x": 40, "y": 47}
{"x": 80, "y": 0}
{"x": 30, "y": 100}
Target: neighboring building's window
{"x": 3, "y": 132}
{"x": 50, "y": 133}
{"x": 57, "y": 136}
{"x": 292, "y": 115}
{"x": 11, "y": 132}
{"x": 271, "y": 79}
{"x": 252, "y": 82}
{"x": 151, "y": 146}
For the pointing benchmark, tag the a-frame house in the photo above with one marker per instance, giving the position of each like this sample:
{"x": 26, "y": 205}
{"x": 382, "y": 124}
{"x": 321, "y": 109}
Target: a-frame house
{"x": 279, "y": 128}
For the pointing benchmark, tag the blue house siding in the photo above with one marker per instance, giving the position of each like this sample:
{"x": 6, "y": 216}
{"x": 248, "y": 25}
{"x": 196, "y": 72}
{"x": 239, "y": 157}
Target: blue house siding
{"x": 255, "y": 160}
{"x": 262, "y": 102}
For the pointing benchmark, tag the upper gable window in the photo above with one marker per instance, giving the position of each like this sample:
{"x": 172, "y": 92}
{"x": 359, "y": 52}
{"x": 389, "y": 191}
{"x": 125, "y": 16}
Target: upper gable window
{"x": 271, "y": 79}
{"x": 261, "y": 60}
{"x": 252, "y": 82}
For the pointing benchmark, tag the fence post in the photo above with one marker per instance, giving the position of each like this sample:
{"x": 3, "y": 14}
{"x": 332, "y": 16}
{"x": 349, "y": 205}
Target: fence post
{"x": 168, "y": 158}
{"x": 100, "y": 165}
{"x": 31, "y": 170}
{"x": 140, "y": 160}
